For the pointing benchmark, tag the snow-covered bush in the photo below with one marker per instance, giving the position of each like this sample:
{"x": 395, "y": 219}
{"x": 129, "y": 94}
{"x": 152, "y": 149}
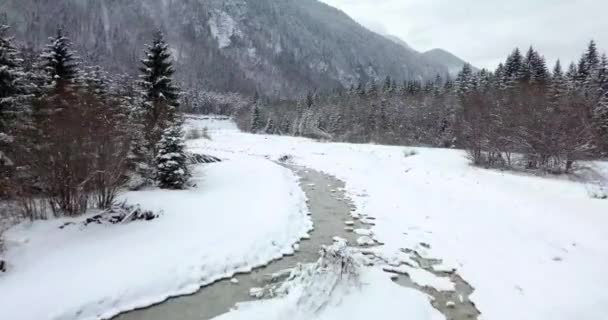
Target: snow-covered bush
{"x": 171, "y": 162}
{"x": 123, "y": 213}
{"x": 312, "y": 285}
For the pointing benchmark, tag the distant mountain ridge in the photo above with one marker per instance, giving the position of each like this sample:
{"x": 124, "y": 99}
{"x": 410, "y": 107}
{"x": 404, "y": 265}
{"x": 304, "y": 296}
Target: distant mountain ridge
{"x": 452, "y": 62}
{"x": 435, "y": 56}
{"x": 280, "y": 48}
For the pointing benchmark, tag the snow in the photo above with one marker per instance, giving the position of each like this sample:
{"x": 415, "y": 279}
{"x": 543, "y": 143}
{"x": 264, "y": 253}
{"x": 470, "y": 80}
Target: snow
{"x": 501, "y": 230}
{"x": 363, "y": 232}
{"x": 365, "y": 241}
{"x": 378, "y": 298}
{"x": 243, "y": 213}
{"x": 424, "y": 278}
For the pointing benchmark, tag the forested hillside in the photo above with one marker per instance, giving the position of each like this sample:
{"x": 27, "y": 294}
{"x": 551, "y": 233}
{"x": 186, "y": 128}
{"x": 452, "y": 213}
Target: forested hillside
{"x": 280, "y": 48}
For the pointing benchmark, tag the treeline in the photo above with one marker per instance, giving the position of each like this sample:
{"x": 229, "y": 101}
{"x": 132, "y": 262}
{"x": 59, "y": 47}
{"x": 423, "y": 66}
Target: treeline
{"x": 71, "y": 135}
{"x": 519, "y": 114}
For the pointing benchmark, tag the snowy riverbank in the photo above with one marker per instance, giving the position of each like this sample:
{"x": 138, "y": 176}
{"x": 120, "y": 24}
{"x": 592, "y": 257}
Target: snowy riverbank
{"x": 243, "y": 213}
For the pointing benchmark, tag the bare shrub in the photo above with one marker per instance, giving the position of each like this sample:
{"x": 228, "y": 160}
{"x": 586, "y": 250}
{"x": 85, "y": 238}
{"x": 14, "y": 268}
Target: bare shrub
{"x": 75, "y": 153}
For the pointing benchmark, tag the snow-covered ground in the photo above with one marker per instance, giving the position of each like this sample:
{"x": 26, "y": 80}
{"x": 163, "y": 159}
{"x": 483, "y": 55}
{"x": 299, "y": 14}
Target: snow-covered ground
{"x": 532, "y": 247}
{"x": 243, "y": 213}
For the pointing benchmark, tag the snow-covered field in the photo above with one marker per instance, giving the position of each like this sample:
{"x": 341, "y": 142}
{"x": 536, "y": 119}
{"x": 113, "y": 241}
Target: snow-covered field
{"x": 533, "y": 248}
{"x": 243, "y": 213}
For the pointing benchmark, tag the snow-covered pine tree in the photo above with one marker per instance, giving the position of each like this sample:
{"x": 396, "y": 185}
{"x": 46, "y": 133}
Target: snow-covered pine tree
{"x": 96, "y": 81}
{"x": 59, "y": 63}
{"x": 256, "y": 119}
{"x": 160, "y": 94}
{"x": 372, "y": 89}
{"x": 600, "y": 119}
{"x": 535, "y": 68}
{"x": 588, "y": 64}
{"x": 171, "y": 165}
{"x": 571, "y": 76}
{"x": 336, "y": 122}
{"x": 514, "y": 66}
{"x": 310, "y": 100}
{"x": 394, "y": 88}
{"x": 14, "y": 110}
{"x": 558, "y": 85}
{"x": 600, "y": 111}
{"x": 57, "y": 74}
{"x": 388, "y": 85}
{"x": 285, "y": 126}
{"x": 464, "y": 80}
{"x": 270, "y": 128}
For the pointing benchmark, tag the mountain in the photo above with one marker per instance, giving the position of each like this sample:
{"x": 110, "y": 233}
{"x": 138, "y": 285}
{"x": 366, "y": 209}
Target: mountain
{"x": 445, "y": 58}
{"x": 278, "y": 47}
{"x": 399, "y": 41}
{"x": 435, "y": 56}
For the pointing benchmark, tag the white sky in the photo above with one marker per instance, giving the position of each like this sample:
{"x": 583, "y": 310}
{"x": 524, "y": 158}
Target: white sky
{"x": 483, "y": 32}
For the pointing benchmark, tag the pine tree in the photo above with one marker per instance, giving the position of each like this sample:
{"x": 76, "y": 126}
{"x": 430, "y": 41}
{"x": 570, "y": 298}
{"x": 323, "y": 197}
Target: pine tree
{"x": 499, "y": 77}
{"x": 160, "y": 93}
{"x": 59, "y": 63}
{"x": 388, "y": 84}
{"x": 588, "y": 63}
{"x": 256, "y": 119}
{"x": 437, "y": 85}
{"x": 534, "y": 68}
{"x": 97, "y": 81}
{"x": 372, "y": 90}
{"x": 310, "y": 100}
{"x": 13, "y": 95}
{"x": 572, "y": 75}
{"x": 558, "y": 85}
{"x": 600, "y": 119}
{"x": 171, "y": 166}
{"x": 270, "y": 129}
{"x": 336, "y": 122}
{"x": 602, "y": 77}
{"x": 514, "y": 66}
{"x": 464, "y": 81}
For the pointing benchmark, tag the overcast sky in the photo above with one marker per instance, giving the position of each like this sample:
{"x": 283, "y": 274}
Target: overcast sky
{"x": 483, "y": 32}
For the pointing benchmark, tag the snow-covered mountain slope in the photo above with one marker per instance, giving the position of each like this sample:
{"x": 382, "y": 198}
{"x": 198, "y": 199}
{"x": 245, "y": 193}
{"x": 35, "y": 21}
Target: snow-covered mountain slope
{"x": 532, "y": 247}
{"x": 279, "y": 47}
